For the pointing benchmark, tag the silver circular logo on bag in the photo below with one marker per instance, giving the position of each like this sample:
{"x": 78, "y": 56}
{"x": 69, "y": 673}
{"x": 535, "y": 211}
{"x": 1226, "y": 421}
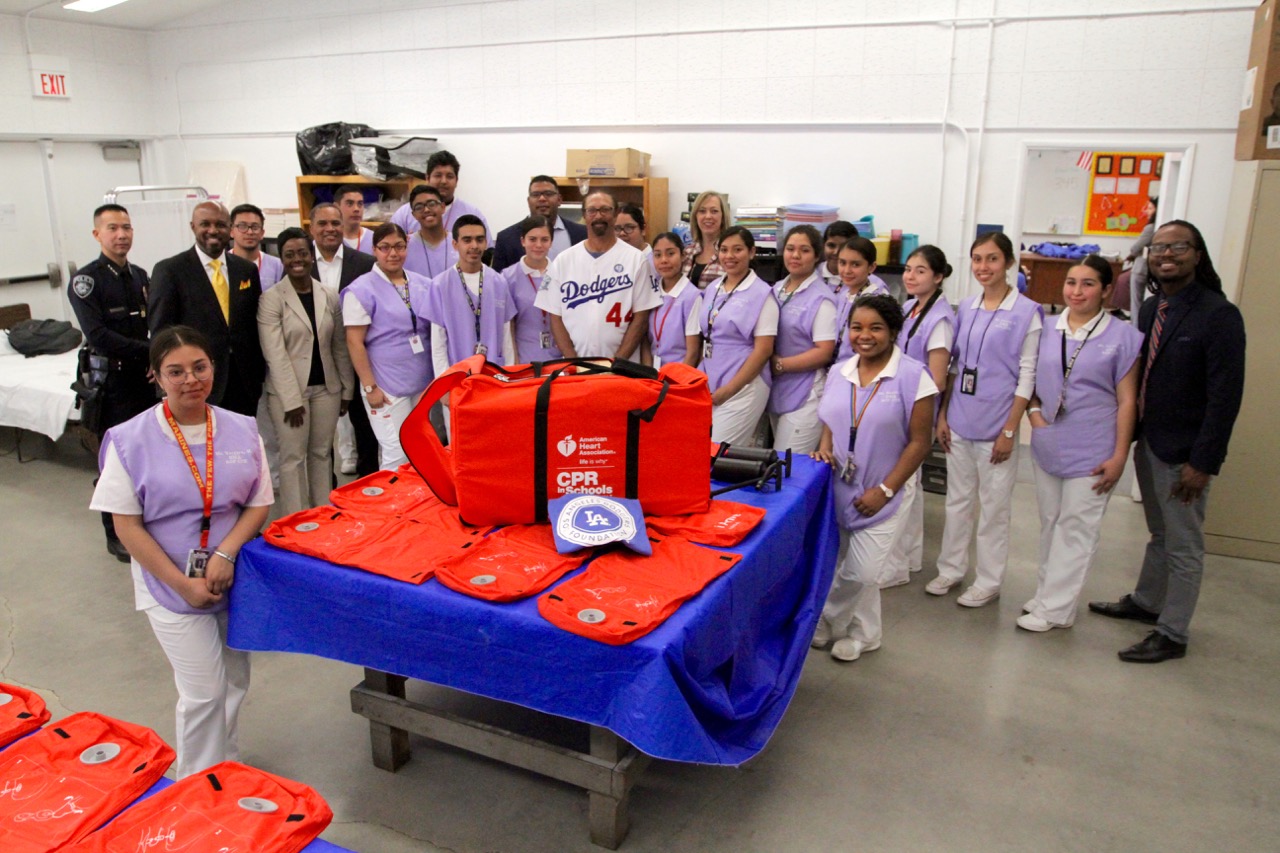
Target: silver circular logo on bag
{"x": 5, "y": 698}
{"x": 257, "y": 804}
{"x": 372, "y": 491}
{"x": 307, "y": 527}
{"x": 481, "y": 580}
{"x": 591, "y": 615}
{"x": 100, "y": 753}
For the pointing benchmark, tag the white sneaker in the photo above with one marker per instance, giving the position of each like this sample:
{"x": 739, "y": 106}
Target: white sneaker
{"x": 850, "y": 649}
{"x": 974, "y": 597}
{"x": 823, "y": 636}
{"x": 898, "y": 581}
{"x": 348, "y": 466}
{"x": 940, "y": 585}
{"x": 1031, "y": 622}
{"x": 915, "y": 569}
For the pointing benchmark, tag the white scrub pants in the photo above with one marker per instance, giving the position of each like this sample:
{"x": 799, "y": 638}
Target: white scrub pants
{"x": 736, "y": 419}
{"x": 212, "y": 680}
{"x": 386, "y": 423}
{"x": 908, "y": 552}
{"x": 853, "y": 604}
{"x": 800, "y": 430}
{"x": 1070, "y": 528}
{"x": 973, "y": 482}
{"x": 306, "y": 461}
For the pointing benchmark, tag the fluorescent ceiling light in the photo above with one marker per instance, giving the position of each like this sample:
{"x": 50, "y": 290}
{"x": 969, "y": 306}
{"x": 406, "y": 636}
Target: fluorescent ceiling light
{"x": 91, "y": 5}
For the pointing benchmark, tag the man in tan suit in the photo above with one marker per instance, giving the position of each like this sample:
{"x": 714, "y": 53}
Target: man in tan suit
{"x": 309, "y": 377}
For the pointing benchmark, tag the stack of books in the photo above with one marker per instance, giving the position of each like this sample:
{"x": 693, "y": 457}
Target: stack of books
{"x": 762, "y": 222}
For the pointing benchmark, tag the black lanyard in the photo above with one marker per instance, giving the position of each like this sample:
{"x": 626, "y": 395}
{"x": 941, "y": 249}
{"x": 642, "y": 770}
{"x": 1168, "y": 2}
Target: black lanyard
{"x": 1068, "y": 366}
{"x": 404, "y": 297}
{"x": 981, "y": 341}
{"x": 920, "y": 317}
{"x": 474, "y": 303}
{"x": 715, "y": 310}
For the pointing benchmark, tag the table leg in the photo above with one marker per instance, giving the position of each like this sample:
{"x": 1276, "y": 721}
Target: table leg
{"x": 607, "y": 814}
{"x": 390, "y": 745}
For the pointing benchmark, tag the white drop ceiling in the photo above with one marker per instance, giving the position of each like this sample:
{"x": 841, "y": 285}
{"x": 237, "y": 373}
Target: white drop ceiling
{"x": 135, "y": 14}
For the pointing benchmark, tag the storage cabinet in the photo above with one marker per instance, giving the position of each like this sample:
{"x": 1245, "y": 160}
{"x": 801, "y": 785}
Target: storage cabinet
{"x": 396, "y": 189}
{"x": 1045, "y": 276}
{"x": 649, "y": 193}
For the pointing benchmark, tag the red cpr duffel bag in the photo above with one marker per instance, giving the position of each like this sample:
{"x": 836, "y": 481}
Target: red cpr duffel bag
{"x": 21, "y": 712}
{"x": 526, "y": 434}
{"x": 71, "y": 777}
{"x": 229, "y": 807}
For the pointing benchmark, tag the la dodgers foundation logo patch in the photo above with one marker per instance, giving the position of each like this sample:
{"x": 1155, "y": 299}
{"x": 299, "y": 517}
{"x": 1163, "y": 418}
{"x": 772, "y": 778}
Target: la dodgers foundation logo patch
{"x": 587, "y": 521}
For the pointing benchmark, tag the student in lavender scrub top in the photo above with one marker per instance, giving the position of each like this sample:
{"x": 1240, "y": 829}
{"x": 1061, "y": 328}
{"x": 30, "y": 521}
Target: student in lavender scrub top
{"x": 1081, "y": 427}
{"x": 709, "y": 220}
{"x": 738, "y": 321}
{"x": 533, "y": 338}
{"x": 431, "y": 250}
{"x": 629, "y": 226}
{"x": 804, "y": 346}
{"x": 833, "y": 240}
{"x": 155, "y": 469}
{"x": 246, "y": 242}
{"x": 350, "y": 200}
{"x": 992, "y": 377}
{"x": 669, "y": 340}
{"x": 877, "y": 420}
{"x": 386, "y": 340}
{"x": 442, "y": 173}
{"x": 469, "y": 307}
{"x": 856, "y": 261}
{"x": 928, "y": 332}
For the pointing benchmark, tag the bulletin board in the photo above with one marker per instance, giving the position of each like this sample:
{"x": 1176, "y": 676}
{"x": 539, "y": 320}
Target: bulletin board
{"x": 1120, "y": 184}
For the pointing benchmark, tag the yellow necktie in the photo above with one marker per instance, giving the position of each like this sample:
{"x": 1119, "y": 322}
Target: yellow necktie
{"x": 221, "y": 289}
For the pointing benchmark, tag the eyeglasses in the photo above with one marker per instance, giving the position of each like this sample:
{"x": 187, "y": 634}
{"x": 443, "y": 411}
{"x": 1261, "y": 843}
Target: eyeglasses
{"x": 543, "y": 193}
{"x": 434, "y": 204}
{"x": 388, "y": 248}
{"x": 177, "y": 374}
{"x": 245, "y": 226}
{"x": 625, "y": 229}
{"x": 598, "y": 211}
{"x": 1169, "y": 248}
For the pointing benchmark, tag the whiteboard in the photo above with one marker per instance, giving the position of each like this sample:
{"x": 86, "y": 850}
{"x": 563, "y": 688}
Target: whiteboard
{"x": 1056, "y": 192}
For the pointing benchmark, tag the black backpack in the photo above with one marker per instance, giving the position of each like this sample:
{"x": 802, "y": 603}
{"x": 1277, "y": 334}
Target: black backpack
{"x": 44, "y": 337}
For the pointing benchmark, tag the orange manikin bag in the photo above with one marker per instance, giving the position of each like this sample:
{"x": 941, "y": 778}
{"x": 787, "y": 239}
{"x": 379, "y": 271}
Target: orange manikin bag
{"x": 70, "y": 778}
{"x": 624, "y": 595}
{"x": 384, "y": 492}
{"x": 527, "y": 434}
{"x": 21, "y": 711}
{"x": 229, "y": 808}
{"x": 513, "y": 563}
{"x": 724, "y": 524}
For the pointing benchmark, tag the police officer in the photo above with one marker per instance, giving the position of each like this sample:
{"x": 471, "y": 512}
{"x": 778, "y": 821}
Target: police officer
{"x": 109, "y": 297}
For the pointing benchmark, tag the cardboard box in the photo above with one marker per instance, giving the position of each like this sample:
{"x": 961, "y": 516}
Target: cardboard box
{"x": 1258, "y": 135}
{"x": 606, "y": 163}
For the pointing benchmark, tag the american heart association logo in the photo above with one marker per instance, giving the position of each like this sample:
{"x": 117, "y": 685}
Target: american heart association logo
{"x": 566, "y": 446}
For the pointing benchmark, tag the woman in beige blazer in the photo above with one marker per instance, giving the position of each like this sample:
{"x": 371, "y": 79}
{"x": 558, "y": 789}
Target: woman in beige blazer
{"x": 309, "y": 376}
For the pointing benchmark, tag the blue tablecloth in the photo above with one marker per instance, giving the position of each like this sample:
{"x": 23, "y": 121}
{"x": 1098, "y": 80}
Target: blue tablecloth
{"x": 710, "y": 685}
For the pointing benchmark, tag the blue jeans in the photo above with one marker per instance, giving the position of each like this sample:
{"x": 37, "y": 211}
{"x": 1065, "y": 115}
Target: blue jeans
{"x": 1174, "y": 563}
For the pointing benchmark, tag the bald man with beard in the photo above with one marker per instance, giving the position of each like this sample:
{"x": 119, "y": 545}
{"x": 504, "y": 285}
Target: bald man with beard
{"x": 212, "y": 290}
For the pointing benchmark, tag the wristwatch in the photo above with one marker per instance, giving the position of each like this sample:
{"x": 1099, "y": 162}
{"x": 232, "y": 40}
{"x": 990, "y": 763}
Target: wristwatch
{"x": 1007, "y": 433}
{"x": 888, "y": 492}
{"x": 369, "y": 389}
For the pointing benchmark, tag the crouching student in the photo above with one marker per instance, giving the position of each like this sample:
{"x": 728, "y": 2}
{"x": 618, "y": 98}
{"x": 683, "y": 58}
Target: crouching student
{"x": 468, "y": 306}
{"x": 877, "y": 417}
{"x": 1082, "y": 420}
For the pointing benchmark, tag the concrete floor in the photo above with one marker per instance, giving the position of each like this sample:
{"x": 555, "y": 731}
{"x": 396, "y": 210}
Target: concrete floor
{"x": 961, "y": 733}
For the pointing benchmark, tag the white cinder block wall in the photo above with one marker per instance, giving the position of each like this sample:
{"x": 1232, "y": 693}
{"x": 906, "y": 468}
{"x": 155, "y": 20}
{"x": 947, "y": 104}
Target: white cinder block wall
{"x": 774, "y": 101}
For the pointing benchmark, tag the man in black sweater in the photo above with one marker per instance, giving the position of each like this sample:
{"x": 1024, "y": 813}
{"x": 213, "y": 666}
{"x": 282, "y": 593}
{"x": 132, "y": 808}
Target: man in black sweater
{"x": 1188, "y": 399}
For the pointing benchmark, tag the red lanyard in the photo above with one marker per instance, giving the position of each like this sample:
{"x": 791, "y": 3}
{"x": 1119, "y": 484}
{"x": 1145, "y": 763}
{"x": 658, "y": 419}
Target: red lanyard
{"x": 662, "y": 321}
{"x": 204, "y": 484}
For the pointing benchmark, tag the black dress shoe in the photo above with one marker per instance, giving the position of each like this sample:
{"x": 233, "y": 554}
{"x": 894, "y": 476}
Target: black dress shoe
{"x": 1156, "y": 647}
{"x": 1124, "y": 609}
{"x": 116, "y": 549}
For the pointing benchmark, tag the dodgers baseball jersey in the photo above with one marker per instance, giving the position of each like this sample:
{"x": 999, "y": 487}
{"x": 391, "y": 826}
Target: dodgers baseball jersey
{"x": 597, "y": 297}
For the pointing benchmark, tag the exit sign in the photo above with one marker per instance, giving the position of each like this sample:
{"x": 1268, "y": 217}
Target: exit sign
{"x": 50, "y": 77}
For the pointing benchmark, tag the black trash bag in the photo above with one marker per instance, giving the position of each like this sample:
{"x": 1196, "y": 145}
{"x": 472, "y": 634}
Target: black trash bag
{"x": 44, "y": 337}
{"x": 325, "y": 150}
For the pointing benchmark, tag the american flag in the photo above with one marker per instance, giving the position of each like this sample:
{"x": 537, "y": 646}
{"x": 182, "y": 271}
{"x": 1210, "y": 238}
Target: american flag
{"x": 1086, "y": 160}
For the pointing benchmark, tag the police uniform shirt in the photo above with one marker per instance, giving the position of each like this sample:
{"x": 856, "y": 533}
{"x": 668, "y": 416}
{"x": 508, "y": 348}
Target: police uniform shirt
{"x": 110, "y": 303}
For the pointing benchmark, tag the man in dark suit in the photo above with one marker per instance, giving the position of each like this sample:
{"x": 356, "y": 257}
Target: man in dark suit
{"x": 212, "y": 290}
{"x": 336, "y": 266}
{"x": 544, "y": 200}
{"x": 1188, "y": 398}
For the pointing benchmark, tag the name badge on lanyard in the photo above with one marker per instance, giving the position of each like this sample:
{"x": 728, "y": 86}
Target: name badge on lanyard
{"x": 855, "y": 419}
{"x": 198, "y": 558}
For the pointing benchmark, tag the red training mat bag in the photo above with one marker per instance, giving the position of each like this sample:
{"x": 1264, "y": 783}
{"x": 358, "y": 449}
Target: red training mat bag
{"x": 724, "y": 525}
{"x": 21, "y": 711}
{"x": 68, "y": 779}
{"x": 229, "y": 808}
{"x": 513, "y": 563}
{"x": 526, "y": 434}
